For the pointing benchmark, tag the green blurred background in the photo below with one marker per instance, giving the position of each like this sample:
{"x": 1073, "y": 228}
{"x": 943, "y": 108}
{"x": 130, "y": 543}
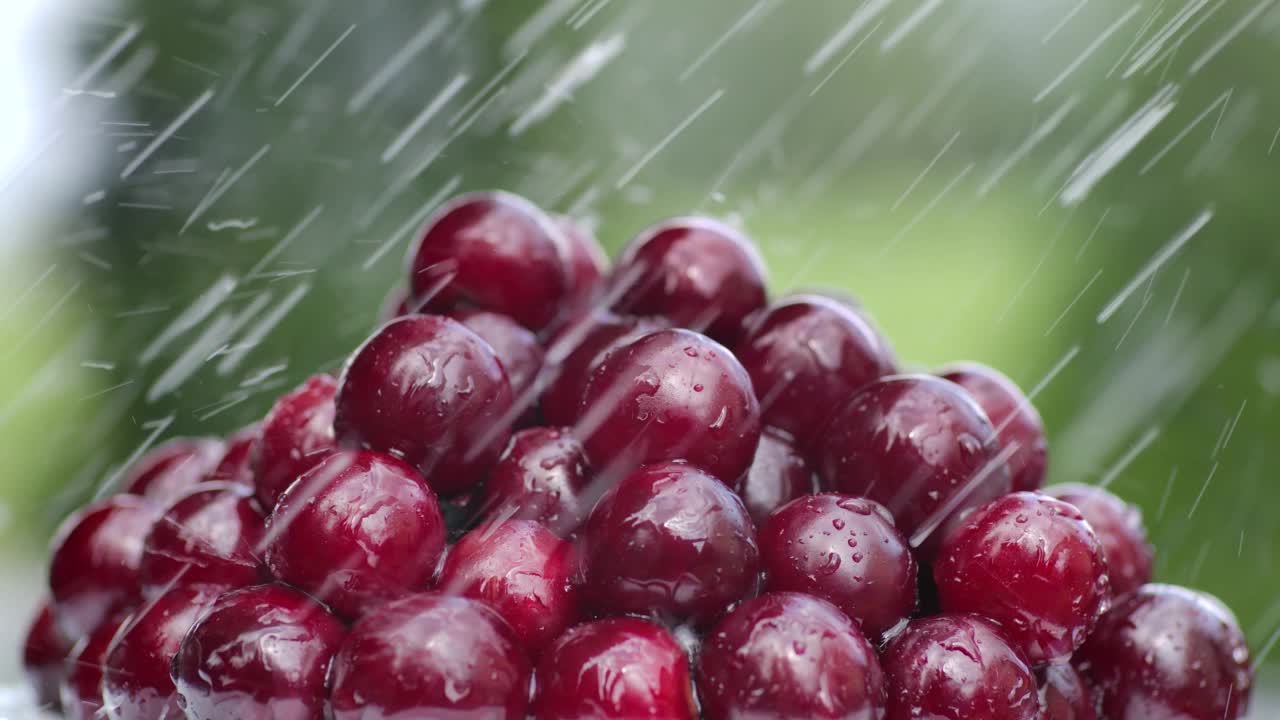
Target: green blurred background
{"x": 1081, "y": 193}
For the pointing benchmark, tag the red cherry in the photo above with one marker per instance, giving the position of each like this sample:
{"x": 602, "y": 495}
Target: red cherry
{"x": 1064, "y": 695}
{"x": 1119, "y": 528}
{"x": 236, "y": 465}
{"x": 575, "y": 352}
{"x": 44, "y": 653}
{"x": 296, "y": 434}
{"x": 172, "y": 468}
{"x": 210, "y": 536}
{"x": 588, "y": 263}
{"x": 81, "y": 690}
{"x": 778, "y": 475}
{"x": 1016, "y": 421}
{"x": 514, "y": 346}
{"x": 541, "y": 476}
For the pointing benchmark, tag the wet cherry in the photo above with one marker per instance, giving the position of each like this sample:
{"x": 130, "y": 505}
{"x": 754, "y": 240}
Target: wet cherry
{"x": 296, "y": 434}
{"x": 1119, "y": 528}
{"x": 236, "y": 465}
{"x": 778, "y": 475}
{"x": 1016, "y": 421}
{"x": 1064, "y": 695}
{"x": 44, "y": 653}
{"x": 81, "y": 690}
{"x": 172, "y": 468}
{"x": 541, "y": 476}
{"x": 574, "y": 352}
{"x": 515, "y": 347}
{"x": 588, "y": 263}
{"x": 211, "y": 536}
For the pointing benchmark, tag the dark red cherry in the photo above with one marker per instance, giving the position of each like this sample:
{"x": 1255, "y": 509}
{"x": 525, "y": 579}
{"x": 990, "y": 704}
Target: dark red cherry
{"x": 95, "y": 557}
{"x": 671, "y": 395}
{"x": 588, "y": 262}
{"x": 1032, "y": 564}
{"x": 296, "y": 434}
{"x": 259, "y": 653}
{"x": 957, "y": 667}
{"x": 169, "y": 470}
{"x": 495, "y": 251}
{"x": 520, "y": 569}
{"x": 785, "y": 655}
{"x": 81, "y": 690}
{"x": 429, "y": 390}
{"x": 44, "y": 654}
{"x": 1016, "y": 421}
{"x": 430, "y": 656}
{"x": 918, "y": 445}
{"x": 515, "y": 347}
{"x": 541, "y": 476}
{"x": 1119, "y": 528}
{"x": 1064, "y": 695}
{"x": 696, "y": 272}
{"x": 614, "y": 669}
{"x": 136, "y": 684}
{"x": 668, "y": 540}
{"x": 1168, "y": 652}
{"x": 845, "y": 550}
{"x": 806, "y": 356}
{"x": 574, "y": 352}
{"x": 778, "y": 475}
{"x": 210, "y": 536}
{"x": 236, "y": 465}
{"x": 359, "y": 529}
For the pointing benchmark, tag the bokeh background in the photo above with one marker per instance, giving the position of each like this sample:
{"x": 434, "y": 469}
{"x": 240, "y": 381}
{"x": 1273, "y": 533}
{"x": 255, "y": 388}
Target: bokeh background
{"x": 210, "y": 198}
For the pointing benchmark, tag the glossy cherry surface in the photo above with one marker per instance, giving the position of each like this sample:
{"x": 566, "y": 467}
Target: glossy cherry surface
{"x": 296, "y": 434}
{"x": 574, "y": 352}
{"x": 670, "y": 395}
{"x": 784, "y": 655}
{"x": 259, "y": 653}
{"x": 136, "y": 684}
{"x": 588, "y": 263}
{"x": 1017, "y": 423}
{"x": 44, "y": 653}
{"x": 430, "y": 656}
{"x": 614, "y": 669}
{"x": 515, "y": 347}
{"x": 212, "y": 535}
{"x": 94, "y": 568}
{"x": 957, "y": 667}
{"x": 172, "y": 468}
{"x": 807, "y": 355}
{"x": 845, "y": 550}
{"x": 523, "y": 571}
{"x": 495, "y": 251}
{"x": 236, "y": 464}
{"x": 696, "y": 272}
{"x": 1168, "y": 652}
{"x": 1118, "y": 526}
{"x": 1032, "y": 564}
{"x": 668, "y": 540}
{"x": 359, "y": 529}
{"x": 429, "y": 390}
{"x": 1064, "y": 695}
{"x": 918, "y": 445}
{"x": 541, "y": 476}
{"x": 81, "y": 690}
{"x": 778, "y": 475}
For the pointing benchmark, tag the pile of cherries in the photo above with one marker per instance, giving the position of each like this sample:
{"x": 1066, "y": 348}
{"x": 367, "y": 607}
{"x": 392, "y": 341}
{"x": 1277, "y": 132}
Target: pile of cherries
{"x": 547, "y": 489}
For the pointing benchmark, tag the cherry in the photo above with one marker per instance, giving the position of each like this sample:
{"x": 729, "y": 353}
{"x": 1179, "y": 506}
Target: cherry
{"x": 670, "y": 395}
{"x": 520, "y": 569}
{"x": 1168, "y": 652}
{"x": 94, "y": 569}
{"x": 236, "y": 465}
{"x": 668, "y": 540}
{"x": 1032, "y": 564}
{"x": 778, "y": 475}
{"x": 588, "y": 262}
{"x": 44, "y": 653}
{"x": 617, "y": 668}
{"x": 81, "y": 690}
{"x": 574, "y": 352}
{"x": 259, "y": 653}
{"x": 541, "y": 476}
{"x": 918, "y": 445}
{"x": 514, "y": 346}
{"x": 296, "y": 434}
{"x": 359, "y": 529}
{"x": 789, "y": 655}
{"x": 1119, "y": 528}
{"x": 430, "y": 655}
{"x": 136, "y": 684}
{"x": 845, "y": 550}
{"x": 172, "y": 468}
{"x": 806, "y": 355}
{"x": 1064, "y": 695}
{"x": 209, "y": 536}
{"x": 957, "y": 667}
{"x": 696, "y": 272}
{"x": 427, "y": 389}
{"x": 495, "y": 251}
{"x": 1016, "y": 421}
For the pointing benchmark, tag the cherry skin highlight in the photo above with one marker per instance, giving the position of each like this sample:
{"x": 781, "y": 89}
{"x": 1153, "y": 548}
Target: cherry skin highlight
{"x": 44, "y": 653}
{"x": 236, "y": 465}
{"x": 614, "y": 669}
{"x": 81, "y": 690}
{"x": 430, "y": 655}
{"x": 1064, "y": 695}
{"x": 358, "y": 530}
{"x": 541, "y": 476}
{"x": 172, "y": 468}
{"x": 1119, "y": 528}
{"x": 211, "y": 536}
{"x": 296, "y": 435}
{"x": 957, "y": 667}
{"x": 668, "y": 540}
{"x": 427, "y": 389}
{"x": 1033, "y": 565}
{"x": 844, "y": 550}
{"x": 259, "y": 653}
{"x": 514, "y": 346}
{"x": 575, "y": 352}
{"x": 789, "y": 655}
{"x": 670, "y": 395}
{"x": 1014, "y": 417}
{"x": 1168, "y": 652}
